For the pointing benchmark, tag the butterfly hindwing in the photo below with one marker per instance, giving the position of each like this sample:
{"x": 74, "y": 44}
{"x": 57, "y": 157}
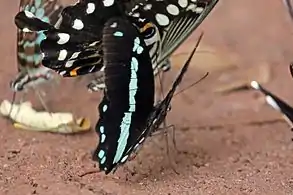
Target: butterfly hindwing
{"x": 160, "y": 110}
{"x": 129, "y": 94}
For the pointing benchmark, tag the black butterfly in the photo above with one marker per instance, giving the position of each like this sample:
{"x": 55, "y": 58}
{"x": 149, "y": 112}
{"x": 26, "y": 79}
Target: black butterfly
{"x": 276, "y": 103}
{"x": 29, "y": 57}
{"x": 127, "y": 112}
{"x": 74, "y": 47}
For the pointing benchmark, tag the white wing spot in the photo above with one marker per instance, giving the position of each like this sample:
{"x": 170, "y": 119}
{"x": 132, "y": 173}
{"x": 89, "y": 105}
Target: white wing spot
{"x": 77, "y": 24}
{"x": 90, "y": 8}
{"x": 147, "y": 7}
{"x": 74, "y": 55}
{"x": 172, "y": 9}
{"x": 114, "y": 25}
{"x": 62, "y": 72}
{"x": 183, "y": 3}
{"x": 191, "y": 7}
{"x": 142, "y": 139}
{"x": 69, "y": 63}
{"x": 29, "y": 14}
{"x": 162, "y": 19}
{"x": 199, "y": 10}
{"x": 62, "y": 55}
{"x": 124, "y": 158}
{"x": 108, "y": 3}
{"x": 63, "y": 38}
{"x": 26, "y": 30}
{"x": 136, "y": 15}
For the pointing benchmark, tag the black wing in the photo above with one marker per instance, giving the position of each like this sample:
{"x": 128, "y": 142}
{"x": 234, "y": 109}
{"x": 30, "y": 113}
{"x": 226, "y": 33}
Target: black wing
{"x": 159, "y": 112}
{"x": 73, "y": 46}
{"x": 276, "y": 103}
{"x": 129, "y": 94}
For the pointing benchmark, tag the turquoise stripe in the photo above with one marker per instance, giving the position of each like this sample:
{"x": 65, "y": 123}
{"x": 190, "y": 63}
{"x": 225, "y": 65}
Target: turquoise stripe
{"x": 126, "y": 121}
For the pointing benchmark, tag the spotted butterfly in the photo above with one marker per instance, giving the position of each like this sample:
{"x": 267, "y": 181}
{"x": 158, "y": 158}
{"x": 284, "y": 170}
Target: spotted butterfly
{"x": 276, "y": 103}
{"x": 127, "y": 112}
{"x": 29, "y": 58}
{"x": 74, "y": 48}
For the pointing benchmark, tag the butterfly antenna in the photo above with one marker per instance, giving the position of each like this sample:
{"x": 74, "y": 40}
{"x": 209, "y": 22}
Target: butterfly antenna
{"x": 38, "y": 93}
{"x": 186, "y": 88}
{"x": 165, "y": 128}
{"x": 164, "y": 122}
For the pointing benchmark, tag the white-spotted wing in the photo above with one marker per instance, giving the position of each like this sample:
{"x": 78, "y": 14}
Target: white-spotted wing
{"x": 73, "y": 46}
{"x": 175, "y": 19}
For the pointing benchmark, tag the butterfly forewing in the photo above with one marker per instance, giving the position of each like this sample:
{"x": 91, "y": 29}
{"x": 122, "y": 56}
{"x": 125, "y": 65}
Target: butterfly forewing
{"x": 183, "y": 26}
{"x": 176, "y": 20}
{"x": 74, "y": 48}
{"x": 129, "y": 94}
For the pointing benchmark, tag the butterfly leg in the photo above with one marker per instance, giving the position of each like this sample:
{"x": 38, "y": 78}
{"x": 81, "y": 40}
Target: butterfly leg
{"x": 40, "y": 95}
{"x": 172, "y": 127}
{"x": 168, "y": 148}
{"x": 98, "y": 84}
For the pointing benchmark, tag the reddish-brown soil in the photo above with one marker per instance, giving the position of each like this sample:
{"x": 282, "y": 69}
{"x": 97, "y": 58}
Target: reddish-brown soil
{"x": 230, "y": 144}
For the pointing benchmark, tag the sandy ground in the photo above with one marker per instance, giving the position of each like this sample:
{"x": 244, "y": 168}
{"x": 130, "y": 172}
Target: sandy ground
{"x": 229, "y": 144}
